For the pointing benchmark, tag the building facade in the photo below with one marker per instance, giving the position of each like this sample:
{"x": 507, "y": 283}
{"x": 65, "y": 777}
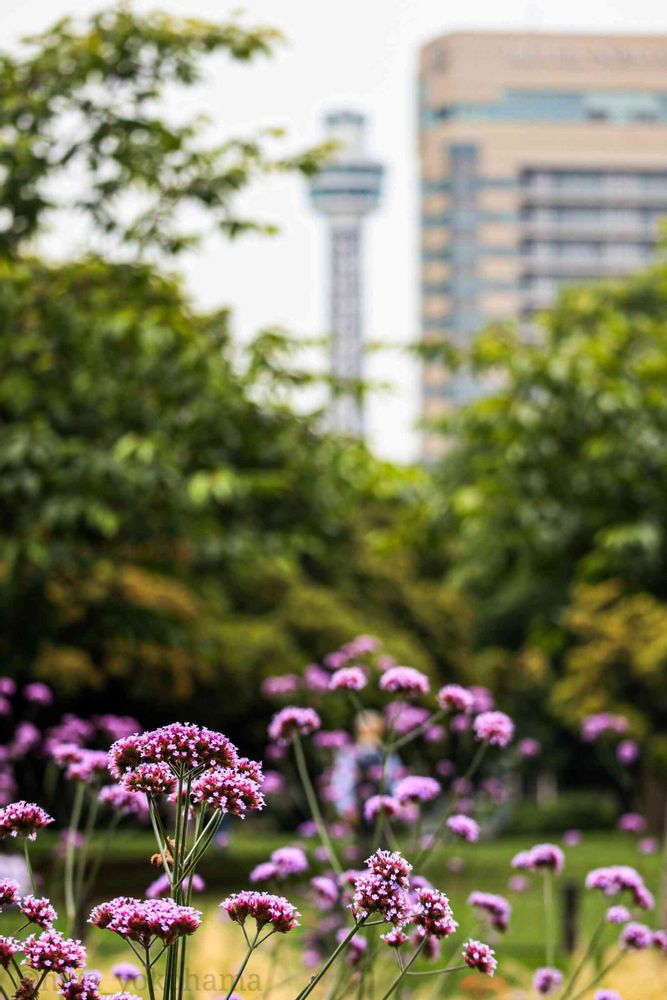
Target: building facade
{"x": 543, "y": 163}
{"x": 345, "y": 192}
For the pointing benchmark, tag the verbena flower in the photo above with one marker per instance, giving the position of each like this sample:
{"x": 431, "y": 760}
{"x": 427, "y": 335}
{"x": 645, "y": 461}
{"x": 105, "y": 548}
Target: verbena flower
{"x": 38, "y": 693}
{"x": 87, "y": 764}
{"x": 356, "y": 947}
{"x": 293, "y": 721}
{"x": 602, "y": 722}
{"x": 23, "y": 819}
{"x": 464, "y": 827}
{"x": 324, "y": 891}
{"x": 395, "y": 938}
{"x": 145, "y": 920}
{"x": 546, "y": 856}
{"x": 454, "y": 698}
{"x": 116, "y": 727}
{"x": 614, "y": 879}
{"x": 9, "y": 891}
{"x": 660, "y": 940}
{"x": 279, "y": 684}
{"x": 84, "y": 987}
{"x": 126, "y": 972}
{"x": 385, "y": 804}
{"x": 348, "y": 679}
{"x": 9, "y": 947}
{"x": 151, "y": 779}
{"x": 289, "y": 861}
{"x": 497, "y": 908}
{"x": 636, "y": 937}
{"x": 631, "y": 823}
{"x": 479, "y": 956}
{"x": 494, "y": 728}
{"x": 405, "y": 680}
{"x": 617, "y": 915}
{"x": 547, "y": 981}
{"x": 402, "y": 717}
{"x": 383, "y": 888}
{"x": 52, "y": 952}
{"x": 7, "y": 687}
{"x": 162, "y": 886}
{"x": 529, "y": 747}
{"x": 417, "y": 788}
{"x": 627, "y": 752}
{"x": 605, "y": 994}
{"x": 183, "y": 746}
{"x": 263, "y": 908}
{"x": 433, "y": 914}
{"x": 331, "y": 739}
{"x": 125, "y": 802}
{"x": 230, "y": 791}
{"x": 38, "y": 911}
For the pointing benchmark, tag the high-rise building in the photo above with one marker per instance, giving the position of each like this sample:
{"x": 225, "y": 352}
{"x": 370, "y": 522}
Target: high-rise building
{"x": 543, "y": 163}
{"x": 345, "y": 191}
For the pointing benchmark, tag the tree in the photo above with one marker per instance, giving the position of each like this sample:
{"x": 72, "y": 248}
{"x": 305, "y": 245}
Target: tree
{"x": 171, "y": 531}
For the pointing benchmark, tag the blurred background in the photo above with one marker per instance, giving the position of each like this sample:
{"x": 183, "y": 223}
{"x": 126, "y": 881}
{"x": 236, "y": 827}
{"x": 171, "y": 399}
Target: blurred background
{"x": 337, "y": 319}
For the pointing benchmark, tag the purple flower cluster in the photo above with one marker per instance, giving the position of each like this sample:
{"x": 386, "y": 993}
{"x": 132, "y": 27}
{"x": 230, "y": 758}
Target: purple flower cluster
{"x": 454, "y": 698}
{"x": 479, "y": 956}
{"x": 38, "y": 911}
{"x": 146, "y": 920}
{"x": 464, "y": 827}
{"x": 293, "y": 721}
{"x": 547, "y": 981}
{"x": 284, "y": 862}
{"x": 494, "y": 728}
{"x": 263, "y": 908}
{"x": 384, "y": 888}
{"x": 433, "y": 914}
{"x": 23, "y": 819}
{"x": 9, "y": 947}
{"x": 125, "y": 802}
{"x": 229, "y": 790}
{"x": 183, "y": 746}
{"x": 52, "y": 952}
{"x": 404, "y": 680}
{"x": 9, "y": 891}
{"x": 543, "y": 856}
{"x": 417, "y": 788}
{"x": 602, "y": 722}
{"x": 615, "y": 879}
{"x": 636, "y": 937}
{"x": 348, "y": 679}
{"x": 496, "y": 908}
{"x": 84, "y": 987}
{"x": 386, "y": 805}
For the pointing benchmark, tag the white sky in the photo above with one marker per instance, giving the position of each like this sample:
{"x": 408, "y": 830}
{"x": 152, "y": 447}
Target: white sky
{"x": 360, "y": 53}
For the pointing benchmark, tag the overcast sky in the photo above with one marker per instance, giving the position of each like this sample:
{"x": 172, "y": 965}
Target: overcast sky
{"x": 359, "y": 53}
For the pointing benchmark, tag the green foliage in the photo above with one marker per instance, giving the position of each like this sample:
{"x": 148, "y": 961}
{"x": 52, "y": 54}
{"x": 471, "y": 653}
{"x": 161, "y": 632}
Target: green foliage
{"x": 579, "y": 810}
{"x": 81, "y": 112}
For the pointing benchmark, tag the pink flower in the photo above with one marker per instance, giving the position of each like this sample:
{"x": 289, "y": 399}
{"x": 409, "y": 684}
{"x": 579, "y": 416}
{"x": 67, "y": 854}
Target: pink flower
{"x": 124, "y": 802}
{"x": 273, "y": 784}
{"x": 9, "y": 891}
{"x": 9, "y": 947}
{"x": 182, "y": 746}
{"x": 289, "y": 861}
{"x": 126, "y": 972}
{"x": 348, "y": 679}
{"x": 529, "y": 747}
{"x": 403, "y": 718}
{"x": 617, "y": 915}
{"x": 293, "y": 721}
{"x": 229, "y": 791}
{"x": 518, "y": 883}
{"x": 496, "y": 908}
{"x": 417, "y": 788}
{"x": 5, "y": 707}
{"x": 648, "y": 845}
{"x": 52, "y": 952}
{"x": 324, "y": 891}
{"x": 7, "y": 687}
{"x": 23, "y": 819}
{"x": 405, "y": 680}
{"x": 85, "y": 765}
{"x": 632, "y": 823}
{"x": 385, "y": 804}
{"x": 494, "y": 728}
{"x": 356, "y": 947}
{"x": 383, "y": 889}
{"x": 162, "y": 886}
{"x": 263, "y": 908}
{"x": 315, "y": 678}
{"x": 146, "y": 920}
{"x": 479, "y": 956}
{"x": 607, "y": 995}
{"x": 85, "y": 987}
{"x": 615, "y": 879}
{"x": 454, "y": 698}
{"x": 463, "y": 827}
{"x": 265, "y": 871}
{"x": 660, "y": 940}
{"x": 434, "y": 914}
{"x": 571, "y": 838}
{"x": 151, "y": 779}
{"x": 395, "y": 938}
{"x": 38, "y": 693}
{"x": 38, "y": 911}
{"x": 636, "y": 937}
{"x": 542, "y": 856}
{"x": 627, "y": 752}
{"x": 331, "y": 739}
{"x": 603, "y": 722}
{"x": 547, "y": 981}
{"x": 279, "y": 684}
{"x": 115, "y": 727}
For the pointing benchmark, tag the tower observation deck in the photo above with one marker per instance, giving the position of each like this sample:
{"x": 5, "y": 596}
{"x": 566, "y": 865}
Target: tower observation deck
{"x": 345, "y": 191}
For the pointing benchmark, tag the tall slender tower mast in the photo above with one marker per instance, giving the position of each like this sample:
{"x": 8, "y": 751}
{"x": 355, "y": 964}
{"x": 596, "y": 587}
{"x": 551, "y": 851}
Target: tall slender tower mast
{"x": 345, "y": 192}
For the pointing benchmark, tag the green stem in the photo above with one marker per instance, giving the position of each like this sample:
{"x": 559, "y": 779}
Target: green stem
{"x": 330, "y": 961}
{"x": 595, "y": 937}
{"x": 439, "y": 972}
{"x": 549, "y": 923}
{"x": 404, "y": 971}
{"x": 70, "y": 902}
{"x": 244, "y": 963}
{"x": 26, "y": 854}
{"x": 149, "y": 975}
{"x": 600, "y": 975}
{"x": 415, "y": 733}
{"x": 313, "y": 804}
